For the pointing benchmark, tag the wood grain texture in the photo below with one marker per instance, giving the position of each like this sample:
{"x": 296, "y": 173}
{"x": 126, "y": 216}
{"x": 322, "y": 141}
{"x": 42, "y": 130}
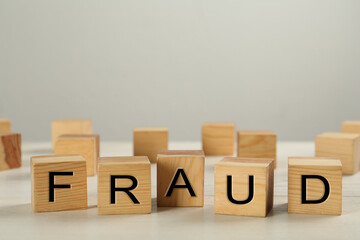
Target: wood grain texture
{"x": 257, "y": 144}
{"x": 87, "y": 145}
{"x": 218, "y": 138}
{"x": 64, "y": 198}
{"x": 148, "y": 141}
{"x": 10, "y": 150}
{"x": 350, "y": 127}
{"x": 193, "y": 163}
{"x": 240, "y": 169}
{"x": 138, "y": 167}
{"x": 328, "y": 168}
{"x": 70, "y": 126}
{"x": 5, "y": 125}
{"x": 345, "y": 146}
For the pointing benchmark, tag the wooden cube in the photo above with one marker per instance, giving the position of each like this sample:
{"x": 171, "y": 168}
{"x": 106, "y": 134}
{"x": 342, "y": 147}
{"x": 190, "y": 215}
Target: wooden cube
{"x": 180, "y": 178}
{"x": 345, "y": 146}
{"x": 244, "y": 186}
{"x": 70, "y": 126}
{"x": 257, "y": 144}
{"x": 5, "y": 125}
{"x": 10, "y": 150}
{"x": 86, "y": 145}
{"x": 315, "y": 185}
{"x": 148, "y": 141}
{"x": 58, "y": 183}
{"x": 218, "y": 139}
{"x": 350, "y": 127}
{"x": 124, "y": 185}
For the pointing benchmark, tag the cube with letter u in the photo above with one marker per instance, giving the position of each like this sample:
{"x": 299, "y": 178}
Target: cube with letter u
{"x": 244, "y": 186}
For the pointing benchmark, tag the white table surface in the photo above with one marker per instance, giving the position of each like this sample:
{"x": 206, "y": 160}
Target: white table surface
{"x": 17, "y": 221}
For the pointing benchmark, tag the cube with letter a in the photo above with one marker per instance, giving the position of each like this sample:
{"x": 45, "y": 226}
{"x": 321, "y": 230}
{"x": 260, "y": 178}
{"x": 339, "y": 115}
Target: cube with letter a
{"x": 244, "y": 186}
{"x": 180, "y": 178}
{"x": 58, "y": 183}
{"x": 124, "y": 185}
{"x": 315, "y": 185}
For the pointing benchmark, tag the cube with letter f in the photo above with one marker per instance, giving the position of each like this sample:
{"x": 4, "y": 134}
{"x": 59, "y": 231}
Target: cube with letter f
{"x": 58, "y": 183}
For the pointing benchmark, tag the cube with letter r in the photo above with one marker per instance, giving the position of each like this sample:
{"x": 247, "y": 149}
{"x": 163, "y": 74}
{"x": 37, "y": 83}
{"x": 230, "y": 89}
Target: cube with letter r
{"x": 124, "y": 185}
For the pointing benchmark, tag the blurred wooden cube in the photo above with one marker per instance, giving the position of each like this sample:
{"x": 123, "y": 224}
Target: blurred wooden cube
{"x": 218, "y": 139}
{"x": 315, "y": 185}
{"x": 257, "y": 144}
{"x": 180, "y": 178}
{"x": 350, "y": 127}
{"x": 70, "y": 126}
{"x": 244, "y": 186}
{"x": 5, "y": 125}
{"x": 58, "y": 183}
{"x": 148, "y": 141}
{"x": 345, "y": 146}
{"x": 86, "y": 145}
{"x": 10, "y": 150}
{"x": 124, "y": 185}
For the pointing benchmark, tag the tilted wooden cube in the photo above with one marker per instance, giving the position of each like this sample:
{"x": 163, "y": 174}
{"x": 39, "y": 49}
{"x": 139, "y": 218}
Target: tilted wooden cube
{"x": 10, "y": 150}
{"x": 350, "y": 127}
{"x": 148, "y": 141}
{"x": 124, "y": 185}
{"x": 87, "y": 145}
{"x": 218, "y": 139}
{"x": 345, "y": 146}
{"x": 5, "y": 125}
{"x": 315, "y": 185}
{"x": 58, "y": 183}
{"x": 70, "y": 126}
{"x": 244, "y": 186}
{"x": 257, "y": 144}
{"x": 180, "y": 178}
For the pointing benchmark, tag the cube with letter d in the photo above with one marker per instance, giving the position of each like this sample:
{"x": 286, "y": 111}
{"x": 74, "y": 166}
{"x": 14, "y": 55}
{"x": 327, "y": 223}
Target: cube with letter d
{"x": 315, "y": 185}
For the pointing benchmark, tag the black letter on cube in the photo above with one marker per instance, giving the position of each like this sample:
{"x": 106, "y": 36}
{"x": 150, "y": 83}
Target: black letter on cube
{"x": 52, "y": 186}
{"x": 186, "y": 181}
{"x": 303, "y": 189}
{"x": 126, "y": 190}
{"x": 251, "y": 191}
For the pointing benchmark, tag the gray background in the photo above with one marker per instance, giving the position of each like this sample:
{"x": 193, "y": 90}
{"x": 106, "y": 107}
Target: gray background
{"x": 287, "y": 65}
